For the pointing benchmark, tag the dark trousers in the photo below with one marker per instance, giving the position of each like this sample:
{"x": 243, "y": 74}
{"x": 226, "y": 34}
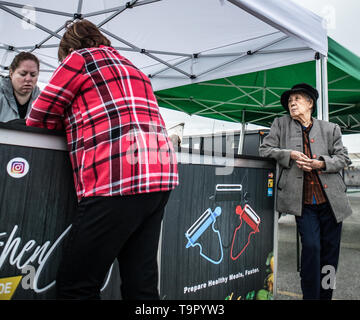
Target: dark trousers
{"x": 106, "y": 228}
{"x": 320, "y": 239}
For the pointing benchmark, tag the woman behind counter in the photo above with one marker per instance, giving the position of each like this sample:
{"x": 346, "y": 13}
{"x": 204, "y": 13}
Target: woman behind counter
{"x": 19, "y": 90}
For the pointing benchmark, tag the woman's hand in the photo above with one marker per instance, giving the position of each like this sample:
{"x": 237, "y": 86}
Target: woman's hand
{"x": 305, "y": 163}
{"x": 297, "y": 155}
{"x": 302, "y": 160}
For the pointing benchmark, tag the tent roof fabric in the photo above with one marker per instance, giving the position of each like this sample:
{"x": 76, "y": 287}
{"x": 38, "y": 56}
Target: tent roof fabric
{"x": 344, "y": 59}
{"x": 291, "y": 19}
{"x": 255, "y": 97}
{"x": 224, "y": 59}
{"x": 175, "y": 42}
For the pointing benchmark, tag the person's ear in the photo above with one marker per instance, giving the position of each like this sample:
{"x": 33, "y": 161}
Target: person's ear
{"x": 311, "y": 101}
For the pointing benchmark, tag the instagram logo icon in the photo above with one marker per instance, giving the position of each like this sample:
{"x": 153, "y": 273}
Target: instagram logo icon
{"x": 17, "y": 167}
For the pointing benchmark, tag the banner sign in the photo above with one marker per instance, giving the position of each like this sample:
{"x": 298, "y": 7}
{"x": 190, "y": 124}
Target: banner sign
{"x": 37, "y": 203}
{"x": 216, "y": 243}
{"x": 218, "y": 235}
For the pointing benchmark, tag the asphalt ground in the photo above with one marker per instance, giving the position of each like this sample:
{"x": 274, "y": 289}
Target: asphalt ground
{"x": 348, "y": 274}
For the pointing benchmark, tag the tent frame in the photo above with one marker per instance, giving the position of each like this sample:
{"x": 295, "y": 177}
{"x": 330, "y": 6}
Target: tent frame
{"x": 321, "y": 62}
{"x": 5, "y": 6}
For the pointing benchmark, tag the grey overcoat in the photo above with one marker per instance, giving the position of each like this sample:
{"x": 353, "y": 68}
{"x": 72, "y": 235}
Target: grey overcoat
{"x": 325, "y": 143}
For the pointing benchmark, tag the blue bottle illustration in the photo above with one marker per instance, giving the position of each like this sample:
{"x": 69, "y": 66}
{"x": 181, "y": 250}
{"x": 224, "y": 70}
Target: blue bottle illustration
{"x": 198, "y": 228}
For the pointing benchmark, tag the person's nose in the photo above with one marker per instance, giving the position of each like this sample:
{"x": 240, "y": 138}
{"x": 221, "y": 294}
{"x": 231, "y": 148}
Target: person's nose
{"x": 28, "y": 78}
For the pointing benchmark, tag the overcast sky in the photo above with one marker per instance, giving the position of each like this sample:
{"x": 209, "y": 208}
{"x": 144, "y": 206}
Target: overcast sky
{"x": 341, "y": 18}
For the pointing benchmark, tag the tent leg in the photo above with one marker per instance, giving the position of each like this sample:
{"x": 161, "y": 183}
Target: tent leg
{"x": 319, "y": 88}
{"x": 324, "y": 80}
{"x": 241, "y": 139}
{"x": 242, "y": 134}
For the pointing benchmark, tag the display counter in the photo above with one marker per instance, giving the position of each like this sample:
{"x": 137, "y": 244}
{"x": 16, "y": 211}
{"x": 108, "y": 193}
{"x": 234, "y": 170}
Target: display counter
{"x": 218, "y": 238}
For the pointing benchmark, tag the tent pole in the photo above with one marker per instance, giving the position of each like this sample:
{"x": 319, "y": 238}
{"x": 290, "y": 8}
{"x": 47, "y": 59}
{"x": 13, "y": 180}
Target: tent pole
{"x": 242, "y": 134}
{"x": 242, "y": 55}
{"x": 143, "y": 51}
{"x": 319, "y": 87}
{"x": 29, "y": 21}
{"x": 80, "y": 4}
{"x": 36, "y": 9}
{"x": 325, "y": 91}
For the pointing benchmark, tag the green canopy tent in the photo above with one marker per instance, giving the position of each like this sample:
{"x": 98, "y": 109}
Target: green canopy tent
{"x": 254, "y": 97}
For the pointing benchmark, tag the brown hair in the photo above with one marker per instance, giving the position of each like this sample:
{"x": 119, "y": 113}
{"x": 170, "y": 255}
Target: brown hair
{"x": 23, "y": 56}
{"x": 78, "y": 35}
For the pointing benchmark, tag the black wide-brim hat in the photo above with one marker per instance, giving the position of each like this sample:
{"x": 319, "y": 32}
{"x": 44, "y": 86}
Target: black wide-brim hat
{"x": 300, "y": 88}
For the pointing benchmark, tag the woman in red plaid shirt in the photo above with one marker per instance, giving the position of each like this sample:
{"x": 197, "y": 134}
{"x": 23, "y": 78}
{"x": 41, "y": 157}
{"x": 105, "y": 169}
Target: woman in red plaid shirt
{"x": 124, "y": 165}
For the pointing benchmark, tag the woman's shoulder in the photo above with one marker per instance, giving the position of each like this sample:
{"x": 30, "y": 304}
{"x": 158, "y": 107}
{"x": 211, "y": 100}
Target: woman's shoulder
{"x": 326, "y": 124}
{"x": 5, "y": 86}
{"x": 3, "y": 82}
{"x": 283, "y": 119}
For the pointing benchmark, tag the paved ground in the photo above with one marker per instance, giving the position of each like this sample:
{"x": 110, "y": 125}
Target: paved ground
{"x": 348, "y": 275}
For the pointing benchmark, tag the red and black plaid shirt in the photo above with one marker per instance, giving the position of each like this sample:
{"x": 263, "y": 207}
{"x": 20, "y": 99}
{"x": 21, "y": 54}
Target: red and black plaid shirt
{"x": 313, "y": 193}
{"x": 116, "y": 136}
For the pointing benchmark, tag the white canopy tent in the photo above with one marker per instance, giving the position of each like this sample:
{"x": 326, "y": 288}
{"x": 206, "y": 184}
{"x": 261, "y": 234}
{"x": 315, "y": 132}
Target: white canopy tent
{"x": 175, "y": 42}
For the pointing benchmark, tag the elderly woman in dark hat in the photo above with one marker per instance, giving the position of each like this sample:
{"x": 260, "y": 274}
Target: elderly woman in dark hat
{"x": 310, "y": 157}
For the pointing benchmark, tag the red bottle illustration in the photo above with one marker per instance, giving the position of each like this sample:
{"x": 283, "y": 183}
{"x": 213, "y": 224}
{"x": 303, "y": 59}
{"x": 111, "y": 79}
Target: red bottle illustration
{"x": 248, "y": 215}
